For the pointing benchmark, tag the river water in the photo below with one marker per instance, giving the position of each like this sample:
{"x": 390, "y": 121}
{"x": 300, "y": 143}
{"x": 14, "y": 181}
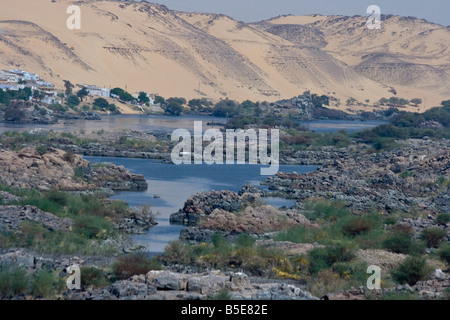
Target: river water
{"x": 168, "y": 124}
{"x": 170, "y": 185}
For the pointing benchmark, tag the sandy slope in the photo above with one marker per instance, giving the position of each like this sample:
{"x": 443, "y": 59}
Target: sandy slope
{"x": 144, "y": 46}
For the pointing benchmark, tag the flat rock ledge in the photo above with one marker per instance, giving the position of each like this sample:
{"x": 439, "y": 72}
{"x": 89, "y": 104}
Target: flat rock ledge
{"x": 167, "y": 285}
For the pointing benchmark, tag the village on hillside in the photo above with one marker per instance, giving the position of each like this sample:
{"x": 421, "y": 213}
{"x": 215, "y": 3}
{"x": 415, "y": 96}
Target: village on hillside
{"x": 45, "y": 92}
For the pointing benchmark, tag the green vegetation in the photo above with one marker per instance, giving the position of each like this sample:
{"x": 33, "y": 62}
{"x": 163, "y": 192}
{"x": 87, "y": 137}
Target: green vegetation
{"x": 93, "y": 277}
{"x": 134, "y": 264}
{"x": 14, "y": 281}
{"x": 324, "y": 258}
{"x": 83, "y": 92}
{"x": 444, "y": 253}
{"x": 174, "y": 106}
{"x": 73, "y": 101}
{"x": 433, "y": 236}
{"x": 101, "y": 104}
{"x": 443, "y": 218}
{"x": 7, "y": 95}
{"x": 411, "y": 270}
{"x": 69, "y": 86}
{"x": 200, "y": 105}
{"x": 122, "y": 94}
{"x": 92, "y": 222}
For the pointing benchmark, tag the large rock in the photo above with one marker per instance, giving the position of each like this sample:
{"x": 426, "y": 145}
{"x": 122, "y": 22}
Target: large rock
{"x": 202, "y": 204}
{"x": 11, "y": 218}
{"x": 55, "y": 170}
{"x": 256, "y": 220}
{"x": 166, "y": 285}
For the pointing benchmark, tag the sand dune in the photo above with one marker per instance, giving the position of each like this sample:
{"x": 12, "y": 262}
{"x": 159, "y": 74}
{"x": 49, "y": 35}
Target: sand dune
{"x": 142, "y": 46}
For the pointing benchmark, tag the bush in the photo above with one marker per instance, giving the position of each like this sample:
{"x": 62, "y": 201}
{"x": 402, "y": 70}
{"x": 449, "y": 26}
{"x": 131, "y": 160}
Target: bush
{"x": 222, "y": 294}
{"x": 13, "y": 281}
{"x": 134, "y": 264}
{"x": 91, "y": 276}
{"x": 78, "y": 173}
{"x": 100, "y": 104}
{"x": 91, "y": 226}
{"x": 357, "y": 225}
{"x": 323, "y": 258}
{"x": 41, "y": 150}
{"x": 433, "y": 236}
{"x": 73, "y": 101}
{"x": 411, "y": 270}
{"x": 43, "y": 284}
{"x": 327, "y": 211}
{"x": 58, "y": 197}
{"x": 444, "y": 253}
{"x": 398, "y": 242}
{"x": 443, "y": 218}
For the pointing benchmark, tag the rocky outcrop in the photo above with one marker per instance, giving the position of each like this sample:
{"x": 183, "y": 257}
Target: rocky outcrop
{"x": 396, "y": 180}
{"x": 382, "y": 258}
{"x": 55, "y": 169}
{"x": 167, "y": 285}
{"x": 203, "y": 204}
{"x": 256, "y": 220}
{"x": 289, "y": 248}
{"x": 431, "y": 289}
{"x": 232, "y": 214}
{"x": 26, "y": 112}
{"x": 116, "y": 178}
{"x": 136, "y": 222}
{"x": 11, "y": 218}
{"x": 8, "y": 197}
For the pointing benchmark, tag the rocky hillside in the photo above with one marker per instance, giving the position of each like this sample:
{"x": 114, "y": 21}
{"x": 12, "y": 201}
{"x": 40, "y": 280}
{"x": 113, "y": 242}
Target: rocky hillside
{"x": 146, "y": 46}
{"x": 56, "y": 169}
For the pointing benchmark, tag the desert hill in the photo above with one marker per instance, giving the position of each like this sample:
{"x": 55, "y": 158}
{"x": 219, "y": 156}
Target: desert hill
{"x": 144, "y": 46}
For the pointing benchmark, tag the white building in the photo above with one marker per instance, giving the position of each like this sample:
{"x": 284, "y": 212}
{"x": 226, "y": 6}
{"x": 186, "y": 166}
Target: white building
{"x": 95, "y": 91}
{"x": 24, "y": 75}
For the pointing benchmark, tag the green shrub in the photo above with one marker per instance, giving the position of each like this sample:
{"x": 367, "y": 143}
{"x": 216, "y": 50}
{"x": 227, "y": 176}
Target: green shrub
{"x": 390, "y": 221}
{"x": 443, "y": 218}
{"x": 222, "y": 294}
{"x": 357, "y": 225}
{"x": 13, "y": 281}
{"x": 91, "y": 276}
{"x": 301, "y": 234}
{"x": 78, "y": 173}
{"x": 411, "y": 270}
{"x": 58, "y": 197}
{"x": 134, "y": 264}
{"x": 245, "y": 241}
{"x": 43, "y": 284}
{"x": 323, "y": 258}
{"x": 433, "y": 236}
{"x": 91, "y": 226}
{"x": 327, "y": 211}
{"x": 398, "y": 242}
{"x": 41, "y": 150}
{"x": 444, "y": 253}
{"x": 405, "y": 174}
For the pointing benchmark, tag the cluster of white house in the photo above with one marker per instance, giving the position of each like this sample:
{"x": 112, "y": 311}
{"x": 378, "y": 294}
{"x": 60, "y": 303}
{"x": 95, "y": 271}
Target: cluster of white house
{"x": 15, "y": 79}
{"x": 106, "y": 93}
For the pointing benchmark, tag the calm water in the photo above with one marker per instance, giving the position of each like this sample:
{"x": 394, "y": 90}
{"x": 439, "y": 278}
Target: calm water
{"x": 175, "y": 184}
{"x": 168, "y": 124}
{"x": 169, "y": 185}
{"x": 336, "y": 125}
{"x": 119, "y": 122}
